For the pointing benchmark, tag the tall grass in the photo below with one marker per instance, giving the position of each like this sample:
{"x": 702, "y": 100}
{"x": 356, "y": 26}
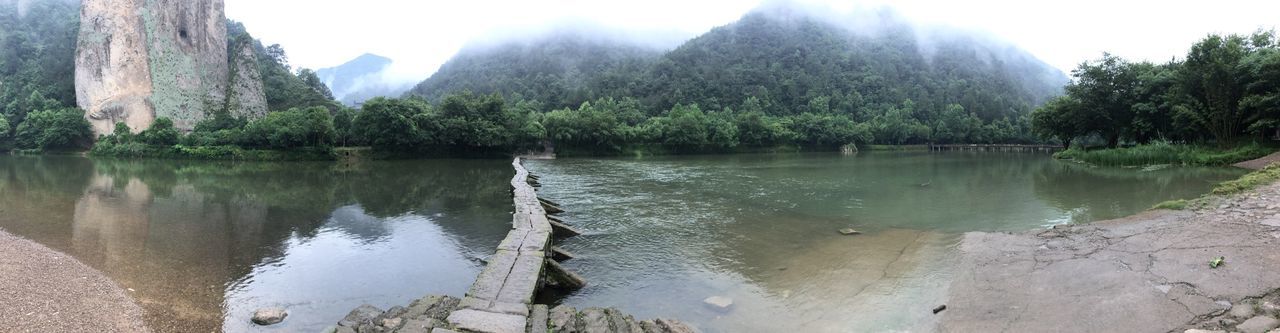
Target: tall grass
{"x": 1166, "y": 153}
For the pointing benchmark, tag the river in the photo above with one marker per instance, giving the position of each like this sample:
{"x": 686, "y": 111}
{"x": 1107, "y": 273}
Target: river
{"x": 200, "y": 245}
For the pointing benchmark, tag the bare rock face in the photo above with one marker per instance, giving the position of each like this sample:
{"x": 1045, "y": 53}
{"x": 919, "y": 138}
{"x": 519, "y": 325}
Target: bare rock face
{"x": 113, "y": 76}
{"x": 246, "y": 97}
{"x": 141, "y": 59}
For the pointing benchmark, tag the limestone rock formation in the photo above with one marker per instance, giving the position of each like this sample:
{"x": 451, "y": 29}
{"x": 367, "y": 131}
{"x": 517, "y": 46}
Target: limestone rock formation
{"x": 246, "y": 97}
{"x": 113, "y": 76}
{"x": 141, "y": 59}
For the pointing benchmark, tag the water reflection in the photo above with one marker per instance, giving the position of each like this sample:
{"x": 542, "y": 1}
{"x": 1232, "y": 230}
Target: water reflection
{"x": 202, "y": 244}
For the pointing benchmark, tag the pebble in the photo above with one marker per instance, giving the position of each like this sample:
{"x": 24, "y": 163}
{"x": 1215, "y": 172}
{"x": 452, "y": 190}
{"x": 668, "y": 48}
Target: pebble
{"x": 269, "y": 316}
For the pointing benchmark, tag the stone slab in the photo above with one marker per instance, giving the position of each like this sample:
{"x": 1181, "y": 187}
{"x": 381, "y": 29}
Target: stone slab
{"x": 487, "y": 322}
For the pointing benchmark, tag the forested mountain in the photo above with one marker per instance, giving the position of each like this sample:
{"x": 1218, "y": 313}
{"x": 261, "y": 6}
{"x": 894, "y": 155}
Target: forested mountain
{"x": 285, "y": 89}
{"x": 911, "y": 83}
{"x": 563, "y": 68}
{"x": 37, "y": 55}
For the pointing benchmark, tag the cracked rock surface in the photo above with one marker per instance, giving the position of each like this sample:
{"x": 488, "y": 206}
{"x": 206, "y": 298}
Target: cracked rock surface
{"x": 1145, "y": 273}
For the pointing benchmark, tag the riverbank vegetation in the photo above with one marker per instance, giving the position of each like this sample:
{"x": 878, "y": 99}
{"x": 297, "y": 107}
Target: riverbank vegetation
{"x": 1224, "y": 94}
{"x": 294, "y": 134}
{"x": 1250, "y": 181}
{"x": 1167, "y": 153}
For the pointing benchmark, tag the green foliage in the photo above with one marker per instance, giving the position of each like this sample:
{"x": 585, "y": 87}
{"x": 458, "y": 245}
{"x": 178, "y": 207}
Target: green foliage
{"x": 285, "y": 90}
{"x": 587, "y": 126}
{"x": 294, "y": 128}
{"x": 390, "y": 124}
{"x": 54, "y": 129}
{"x": 1179, "y": 204}
{"x": 37, "y": 57}
{"x": 768, "y": 66}
{"x": 230, "y": 153}
{"x": 1227, "y": 89}
{"x": 826, "y": 130}
{"x": 1165, "y": 153}
{"x": 161, "y": 133}
{"x": 296, "y": 134}
{"x": 1250, "y": 181}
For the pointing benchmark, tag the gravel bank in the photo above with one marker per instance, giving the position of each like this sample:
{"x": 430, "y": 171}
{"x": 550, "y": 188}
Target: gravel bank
{"x": 42, "y": 290}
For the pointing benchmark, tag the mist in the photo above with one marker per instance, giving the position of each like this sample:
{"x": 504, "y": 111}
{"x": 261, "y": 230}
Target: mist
{"x": 420, "y": 36}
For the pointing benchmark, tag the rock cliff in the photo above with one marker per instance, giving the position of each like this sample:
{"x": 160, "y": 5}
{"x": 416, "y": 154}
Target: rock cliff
{"x": 141, "y": 59}
{"x": 246, "y": 97}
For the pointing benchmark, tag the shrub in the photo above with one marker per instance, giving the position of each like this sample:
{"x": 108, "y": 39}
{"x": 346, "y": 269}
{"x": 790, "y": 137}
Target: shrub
{"x": 54, "y": 129}
{"x": 310, "y": 127}
{"x": 161, "y": 133}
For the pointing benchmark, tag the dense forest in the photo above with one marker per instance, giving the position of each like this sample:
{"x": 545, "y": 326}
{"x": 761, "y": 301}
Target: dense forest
{"x": 37, "y": 76}
{"x": 1226, "y": 91}
{"x": 37, "y": 71}
{"x": 779, "y": 65}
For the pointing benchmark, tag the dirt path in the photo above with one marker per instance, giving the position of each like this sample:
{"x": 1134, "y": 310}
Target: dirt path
{"x": 42, "y": 290}
{"x": 1260, "y": 163}
{"x": 1145, "y": 273}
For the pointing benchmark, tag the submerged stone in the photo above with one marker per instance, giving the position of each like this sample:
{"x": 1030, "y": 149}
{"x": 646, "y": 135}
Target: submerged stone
{"x": 269, "y": 316}
{"x": 719, "y": 302}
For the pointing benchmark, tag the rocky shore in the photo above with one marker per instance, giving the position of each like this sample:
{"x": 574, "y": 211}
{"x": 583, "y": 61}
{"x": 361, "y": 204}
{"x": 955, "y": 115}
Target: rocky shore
{"x": 430, "y": 315}
{"x": 1151, "y": 272}
{"x": 42, "y": 290}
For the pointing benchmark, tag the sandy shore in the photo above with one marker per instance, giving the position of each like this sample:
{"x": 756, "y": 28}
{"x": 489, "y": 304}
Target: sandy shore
{"x": 42, "y": 290}
{"x": 1145, "y": 273}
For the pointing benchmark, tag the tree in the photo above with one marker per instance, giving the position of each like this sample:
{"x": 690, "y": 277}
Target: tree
{"x": 161, "y": 133}
{"x": 1211, "y": 76}
{"x": 54, "y": 129}
{"x": 389, "y": 123}
{"x": 294, "y": 128}
{"x": 1106, "y": 90}
{"x": 1059, "y": 119}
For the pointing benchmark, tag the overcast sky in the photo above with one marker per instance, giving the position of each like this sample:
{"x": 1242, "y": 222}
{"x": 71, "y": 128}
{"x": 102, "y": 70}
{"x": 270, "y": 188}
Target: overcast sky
{"x": 422, "y": 34}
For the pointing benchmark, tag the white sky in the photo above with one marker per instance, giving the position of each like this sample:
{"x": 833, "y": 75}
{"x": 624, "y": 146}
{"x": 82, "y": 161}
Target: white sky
{"x": 420, "y": 35}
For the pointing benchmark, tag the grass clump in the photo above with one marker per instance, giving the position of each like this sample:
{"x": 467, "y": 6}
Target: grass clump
{"x": 1166, "y": 153}
{"x": 1250, "y": 181}
{"x": 1180, "y": 204}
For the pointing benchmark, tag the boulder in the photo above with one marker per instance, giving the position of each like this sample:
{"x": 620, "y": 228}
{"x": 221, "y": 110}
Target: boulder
{"x": 269, "y": 316}
{"x": 1244, "y": 310}
{"x": 361, "y": 315}
{"x": 563, "y": 319}
{"x": 1259, "y": 324}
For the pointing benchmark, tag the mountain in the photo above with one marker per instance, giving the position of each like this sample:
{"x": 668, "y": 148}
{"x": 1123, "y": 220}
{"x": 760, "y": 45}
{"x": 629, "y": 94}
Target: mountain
{"x": 360, "y": 79}
{"x": 562, "y": 68}
{"x": 791, "y": 58}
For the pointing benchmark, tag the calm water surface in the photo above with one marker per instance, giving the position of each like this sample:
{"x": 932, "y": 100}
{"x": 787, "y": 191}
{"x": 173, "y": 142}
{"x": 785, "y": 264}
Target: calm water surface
{"x": 667, "y": 232}
{"x": 203, "y": 244}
